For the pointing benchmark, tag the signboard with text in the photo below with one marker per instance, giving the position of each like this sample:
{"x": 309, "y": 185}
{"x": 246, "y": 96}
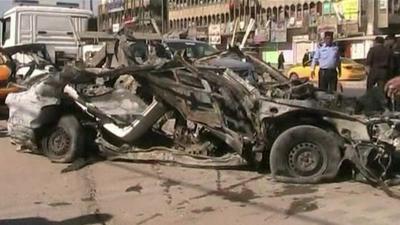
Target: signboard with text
{"x": 115, "y": 27}
{"x": 383, "y": 14}
{"x": 115, "y": 6}
{"x": 347, "y": 10}
{"x": 214, "y": 34}
{"x": 278, "y": 32}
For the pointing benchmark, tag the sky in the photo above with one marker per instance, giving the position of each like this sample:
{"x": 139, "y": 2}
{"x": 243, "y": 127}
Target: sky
{"x": 7, "y": 4}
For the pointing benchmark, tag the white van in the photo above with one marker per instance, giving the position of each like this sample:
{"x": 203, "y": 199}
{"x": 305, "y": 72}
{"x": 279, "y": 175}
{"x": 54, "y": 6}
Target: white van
{"x": 53, "y": 26}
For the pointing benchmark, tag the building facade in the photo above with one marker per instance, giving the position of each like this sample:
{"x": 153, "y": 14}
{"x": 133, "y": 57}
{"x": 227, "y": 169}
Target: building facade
{"x": 288, "y": 26}
{"x": 112, "y": 13}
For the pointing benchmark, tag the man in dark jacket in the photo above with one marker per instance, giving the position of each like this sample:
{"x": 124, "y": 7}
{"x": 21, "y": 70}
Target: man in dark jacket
{"x": 396, "y": 58}
{"x": 306, "y": 57}
{"x": 281, "y": 60}
{"x": 379, "y": 64}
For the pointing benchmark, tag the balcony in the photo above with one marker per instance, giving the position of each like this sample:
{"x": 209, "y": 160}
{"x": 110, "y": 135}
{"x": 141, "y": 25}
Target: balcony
{"x": 192, "y": 11}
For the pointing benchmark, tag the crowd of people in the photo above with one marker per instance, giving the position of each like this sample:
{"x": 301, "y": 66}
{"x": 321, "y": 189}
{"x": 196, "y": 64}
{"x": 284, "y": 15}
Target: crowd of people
{"x": 383, "y": 61}
{"x": 382, "y": 64}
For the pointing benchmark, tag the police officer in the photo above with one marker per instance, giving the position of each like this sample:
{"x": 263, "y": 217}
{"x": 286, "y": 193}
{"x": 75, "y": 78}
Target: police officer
{"x": 328, "y": 57}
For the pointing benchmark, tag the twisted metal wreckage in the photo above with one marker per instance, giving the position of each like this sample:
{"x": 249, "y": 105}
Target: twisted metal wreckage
{"x": 201, "y": 113}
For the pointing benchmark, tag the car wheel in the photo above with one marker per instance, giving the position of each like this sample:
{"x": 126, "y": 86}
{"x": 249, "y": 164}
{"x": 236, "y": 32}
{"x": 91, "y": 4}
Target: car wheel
{"x": 293, "y": 76}
{"x": 305, "y": 154}
{"x": 64, "y": 142}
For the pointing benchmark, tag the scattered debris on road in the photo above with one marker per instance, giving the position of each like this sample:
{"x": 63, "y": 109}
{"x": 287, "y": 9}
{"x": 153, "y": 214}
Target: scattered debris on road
{"x": 225, "y": 110}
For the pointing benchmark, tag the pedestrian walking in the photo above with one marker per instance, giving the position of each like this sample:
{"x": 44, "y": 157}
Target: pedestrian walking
{"x": 396, "y": 58}
{"x": 328, "y": 57}
{"x": 281, "y": 60}
{"x": 379, "y": 64}
{"x": 390, "y": 41}
{"x": 306, "y": 57}
{"x": 395, "y": 103}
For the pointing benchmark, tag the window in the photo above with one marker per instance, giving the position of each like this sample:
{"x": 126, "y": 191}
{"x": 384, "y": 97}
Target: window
{"x": 52, "y": 23}
{"x": 6, "y": 30}
{"x": 193, "y": 49}
{"x": 25, "y": 22}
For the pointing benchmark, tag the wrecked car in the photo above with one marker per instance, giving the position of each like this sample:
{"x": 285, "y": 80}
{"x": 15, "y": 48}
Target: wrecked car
{"x": 199, "y": 114}
{"x": 20, "y": 63}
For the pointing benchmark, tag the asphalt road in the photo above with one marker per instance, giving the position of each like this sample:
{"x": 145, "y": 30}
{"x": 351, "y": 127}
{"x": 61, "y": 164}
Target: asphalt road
{"x": 34, "y": 192}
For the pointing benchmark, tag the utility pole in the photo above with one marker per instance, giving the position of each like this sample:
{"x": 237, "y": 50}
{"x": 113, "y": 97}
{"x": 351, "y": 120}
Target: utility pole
{"x": 162, "y": 16}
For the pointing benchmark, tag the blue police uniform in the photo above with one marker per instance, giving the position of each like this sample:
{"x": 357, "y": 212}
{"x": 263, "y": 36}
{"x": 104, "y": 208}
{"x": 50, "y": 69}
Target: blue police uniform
{"x": 328, "y": 58}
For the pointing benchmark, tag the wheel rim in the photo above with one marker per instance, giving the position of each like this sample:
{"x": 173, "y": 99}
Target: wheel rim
{"x": 306, "y": 159}
{"x": 59, "y": 142}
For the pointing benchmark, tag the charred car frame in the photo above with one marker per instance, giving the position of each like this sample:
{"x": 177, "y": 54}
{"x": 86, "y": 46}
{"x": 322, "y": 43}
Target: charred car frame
{"x": 210, "y": 115}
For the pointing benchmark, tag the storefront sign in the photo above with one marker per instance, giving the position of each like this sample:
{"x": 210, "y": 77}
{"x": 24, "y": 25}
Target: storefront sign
{"x": 260, "y": 36}
{"x": 358, "y": 50}
{"x": 312, "y": 20}
{"x": 192, "y": 32}
{"x": 214, "y": 34}
{"x": 223, "y": 28}
{"x": 278, "y": 32}
{"x": 115, "y": 6}
{"x": 383, "y": 14}
{"x": 350, "y": 28}
{"x": 301, "y": 38}
{"x": 312, "y": 32}
{"x": 294, "y": 22}
{"x": 115, "y": 27}
{"x": 350, "y": 10}
{"x": 201, "y": 34}
{"x": 347, "y": 10}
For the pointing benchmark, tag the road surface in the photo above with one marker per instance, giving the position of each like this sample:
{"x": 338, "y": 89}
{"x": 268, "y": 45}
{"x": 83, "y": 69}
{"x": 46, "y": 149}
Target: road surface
{"x": 35, "y": 192}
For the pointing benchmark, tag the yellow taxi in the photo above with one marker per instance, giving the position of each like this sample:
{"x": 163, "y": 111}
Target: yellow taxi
{"x": 351, "y": 70}
{"x": 5, "y": 75}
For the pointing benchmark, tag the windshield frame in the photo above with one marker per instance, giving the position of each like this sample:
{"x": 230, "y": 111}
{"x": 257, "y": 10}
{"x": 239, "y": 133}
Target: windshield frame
{"x": 194, "y": 46}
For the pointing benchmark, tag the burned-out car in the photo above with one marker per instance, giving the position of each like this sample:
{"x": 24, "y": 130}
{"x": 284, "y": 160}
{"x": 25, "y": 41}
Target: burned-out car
{"x": 19, "y": 63}
{"x": 196, "y": 113}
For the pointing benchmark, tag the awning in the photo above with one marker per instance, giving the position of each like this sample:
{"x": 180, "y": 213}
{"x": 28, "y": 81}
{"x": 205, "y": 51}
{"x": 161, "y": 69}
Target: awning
{"x": 362, "y": 38}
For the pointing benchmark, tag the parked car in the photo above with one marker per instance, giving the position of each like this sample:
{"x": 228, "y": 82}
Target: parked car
{"x": 194, "y": 49}
{"x": 351, "y": 70}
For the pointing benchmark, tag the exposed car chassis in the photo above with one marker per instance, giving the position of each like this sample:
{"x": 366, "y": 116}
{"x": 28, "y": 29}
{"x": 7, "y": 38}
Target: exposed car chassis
{"x": 210, "y": 115}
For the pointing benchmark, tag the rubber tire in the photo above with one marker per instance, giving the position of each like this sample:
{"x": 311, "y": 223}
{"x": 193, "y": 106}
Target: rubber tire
{"x": 294, "y": 76}
{"x": 73, "y": 129}
{"x": 304, "y": 133}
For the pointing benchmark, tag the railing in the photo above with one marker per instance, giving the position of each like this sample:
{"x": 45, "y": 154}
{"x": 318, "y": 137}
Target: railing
{"x": 174, "y": 6}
